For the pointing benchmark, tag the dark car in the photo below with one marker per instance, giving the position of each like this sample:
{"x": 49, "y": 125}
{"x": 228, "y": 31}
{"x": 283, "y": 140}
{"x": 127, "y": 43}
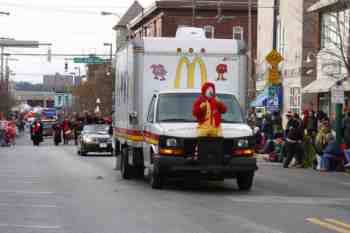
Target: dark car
{"x": 95, "y": 139}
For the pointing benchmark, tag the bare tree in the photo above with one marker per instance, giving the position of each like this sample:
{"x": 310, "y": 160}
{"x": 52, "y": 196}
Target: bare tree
{"x": 335, "y": 39}
{"x": 100, "y": 85}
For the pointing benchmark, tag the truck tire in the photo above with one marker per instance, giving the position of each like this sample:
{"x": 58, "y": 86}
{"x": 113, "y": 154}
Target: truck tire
{"x": 125, "y": 168}
{"x": 245, "y": 180}
{"x": 156, "y": 179}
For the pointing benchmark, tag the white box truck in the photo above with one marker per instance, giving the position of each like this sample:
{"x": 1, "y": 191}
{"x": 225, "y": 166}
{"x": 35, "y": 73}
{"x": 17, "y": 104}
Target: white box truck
{"x": 157, "y": 82}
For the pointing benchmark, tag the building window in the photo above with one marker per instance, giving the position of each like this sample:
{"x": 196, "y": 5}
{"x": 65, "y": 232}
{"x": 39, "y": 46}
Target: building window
{"x": 295, "y": 99}
{"x": 209, "y": 31}
{"x": 238, "y": 33}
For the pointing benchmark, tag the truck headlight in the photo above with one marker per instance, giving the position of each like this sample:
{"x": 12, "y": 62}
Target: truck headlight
{"x": 171, "y": 142}
{"x": 243, "y": 143}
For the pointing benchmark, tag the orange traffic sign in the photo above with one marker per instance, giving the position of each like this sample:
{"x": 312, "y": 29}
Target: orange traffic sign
{"x": 274, "y": 57}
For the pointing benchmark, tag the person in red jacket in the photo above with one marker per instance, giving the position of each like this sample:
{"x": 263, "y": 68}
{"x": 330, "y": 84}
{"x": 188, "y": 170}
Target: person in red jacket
{"x": 66, "y": 127}
{"x": 208, "y": 109}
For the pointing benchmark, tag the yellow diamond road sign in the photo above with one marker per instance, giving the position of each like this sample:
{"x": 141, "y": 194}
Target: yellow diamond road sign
{"x": 274, "y": 57}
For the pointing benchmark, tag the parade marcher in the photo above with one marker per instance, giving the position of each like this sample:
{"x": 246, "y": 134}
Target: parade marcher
{"x": 77, "y": 128}
{"x": 57, "y": 133}
{"x": 294, "y": 147}
{"x": 66, "y": 127}
{"x": 36, "y": 132}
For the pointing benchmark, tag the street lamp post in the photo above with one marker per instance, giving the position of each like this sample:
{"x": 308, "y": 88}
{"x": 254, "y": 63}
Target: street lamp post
{"x": 110, "y": 50}
{"x": 104, "y": 13}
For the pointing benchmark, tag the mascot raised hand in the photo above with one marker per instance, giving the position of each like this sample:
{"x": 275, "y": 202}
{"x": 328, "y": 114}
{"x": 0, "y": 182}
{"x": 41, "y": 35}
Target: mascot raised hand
{"x": 208, "y": 109}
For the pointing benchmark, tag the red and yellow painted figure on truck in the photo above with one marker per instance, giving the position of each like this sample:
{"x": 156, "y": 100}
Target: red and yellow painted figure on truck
{"x": 208, "y": 109}
{"x": 221, "y": 69}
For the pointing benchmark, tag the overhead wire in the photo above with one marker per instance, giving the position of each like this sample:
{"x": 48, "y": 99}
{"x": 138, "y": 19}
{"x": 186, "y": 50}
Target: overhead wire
{"x": 70, "y": 9}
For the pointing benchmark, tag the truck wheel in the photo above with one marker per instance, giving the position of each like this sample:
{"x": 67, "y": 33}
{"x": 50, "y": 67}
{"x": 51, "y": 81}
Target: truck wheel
{"x": 156, "y": 180}
{"x": 245, "y": 180}
{"x": 125, "y": 168}
{"x": 83, "y": 153}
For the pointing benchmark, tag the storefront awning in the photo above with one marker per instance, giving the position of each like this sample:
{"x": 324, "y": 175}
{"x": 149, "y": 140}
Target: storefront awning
{"x": 261, "y": 99}
{"x": 323, "y": 85}
{"x": 321, "y": 4}
{"x": 320, "y": 85}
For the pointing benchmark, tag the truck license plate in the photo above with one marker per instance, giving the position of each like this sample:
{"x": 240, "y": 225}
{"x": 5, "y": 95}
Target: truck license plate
{"x": 103, "y": 145}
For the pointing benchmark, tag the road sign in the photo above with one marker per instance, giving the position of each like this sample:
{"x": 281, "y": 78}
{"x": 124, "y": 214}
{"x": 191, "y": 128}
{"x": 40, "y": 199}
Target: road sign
{"x": 89, "y": 60}
{"x": 274, "y": 76}
{"x": 338, "y": 94}
{"x": 274, "y": 57}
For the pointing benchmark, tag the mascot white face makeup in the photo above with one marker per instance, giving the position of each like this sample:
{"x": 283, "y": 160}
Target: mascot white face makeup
{"x": 209, "y": 92}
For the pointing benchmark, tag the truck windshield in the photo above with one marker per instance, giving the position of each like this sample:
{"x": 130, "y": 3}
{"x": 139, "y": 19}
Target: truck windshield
{"x": 177, "y": 107}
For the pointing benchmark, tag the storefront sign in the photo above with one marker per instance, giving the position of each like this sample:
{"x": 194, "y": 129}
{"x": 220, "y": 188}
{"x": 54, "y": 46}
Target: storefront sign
{"x": 338, "y": 94}
{"x": 274, "y": 100}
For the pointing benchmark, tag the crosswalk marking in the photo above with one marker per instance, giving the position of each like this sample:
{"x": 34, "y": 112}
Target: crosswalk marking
{"x": 337, "y": 222}
{"x": 328, "y": 225}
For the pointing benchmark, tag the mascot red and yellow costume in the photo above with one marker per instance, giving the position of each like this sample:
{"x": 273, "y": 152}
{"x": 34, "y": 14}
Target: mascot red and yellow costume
{"x": 208, "y": 109}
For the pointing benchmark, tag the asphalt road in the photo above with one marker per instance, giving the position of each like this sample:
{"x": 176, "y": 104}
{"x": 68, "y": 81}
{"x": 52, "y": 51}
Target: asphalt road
{"x": 52, "y": 189}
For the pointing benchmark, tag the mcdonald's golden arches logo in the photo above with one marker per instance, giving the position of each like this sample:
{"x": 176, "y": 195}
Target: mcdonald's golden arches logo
{"x": 191, "y": 70}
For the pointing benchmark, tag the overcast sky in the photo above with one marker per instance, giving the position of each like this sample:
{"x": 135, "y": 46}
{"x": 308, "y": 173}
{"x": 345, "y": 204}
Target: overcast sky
{"x": 71, "y": 26}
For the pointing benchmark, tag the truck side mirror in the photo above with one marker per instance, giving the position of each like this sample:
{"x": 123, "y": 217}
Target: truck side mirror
{"x": 133, "y": 118}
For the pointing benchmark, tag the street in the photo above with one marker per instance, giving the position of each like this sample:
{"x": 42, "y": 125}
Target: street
{"x": 52, "y": 189}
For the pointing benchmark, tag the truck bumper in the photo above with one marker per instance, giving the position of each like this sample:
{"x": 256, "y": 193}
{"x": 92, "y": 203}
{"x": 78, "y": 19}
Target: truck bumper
{"x": 175, "y": 166}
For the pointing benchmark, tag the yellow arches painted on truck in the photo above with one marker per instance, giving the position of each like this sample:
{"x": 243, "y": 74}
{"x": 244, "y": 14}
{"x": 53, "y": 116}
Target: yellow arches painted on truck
{"x": 191, "y": 70}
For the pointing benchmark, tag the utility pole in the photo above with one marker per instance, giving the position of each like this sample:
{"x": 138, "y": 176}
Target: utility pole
{"x": 193, "y": 12}
{"x": 251, "y": 80}
{"x": 274, "y": 43}
{"x": 2, "y": 63}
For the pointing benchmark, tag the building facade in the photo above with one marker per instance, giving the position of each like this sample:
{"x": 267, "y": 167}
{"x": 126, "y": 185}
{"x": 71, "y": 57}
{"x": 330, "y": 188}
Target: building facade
{"x": 58, "y": 82}
{"x": 333, "y": 57}
{"x": 35, "y": 98}
{"x": 296, "y": 40}
{"x": 63, "y": 100}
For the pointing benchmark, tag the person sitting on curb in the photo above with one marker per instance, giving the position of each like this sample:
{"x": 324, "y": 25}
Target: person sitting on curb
{"x": 347, "y": 156}
{"x": 323, "y": 137}
{"x": 333, "y": 152}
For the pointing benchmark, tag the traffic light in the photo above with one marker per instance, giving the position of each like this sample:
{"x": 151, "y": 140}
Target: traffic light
{"x": 66, "y": 66}
{"x": 49, "y": 55}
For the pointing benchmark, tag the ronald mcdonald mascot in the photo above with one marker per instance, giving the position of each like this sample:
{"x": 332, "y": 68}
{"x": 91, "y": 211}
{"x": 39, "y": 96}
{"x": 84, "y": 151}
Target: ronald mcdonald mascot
{"x": 208, "y": 109}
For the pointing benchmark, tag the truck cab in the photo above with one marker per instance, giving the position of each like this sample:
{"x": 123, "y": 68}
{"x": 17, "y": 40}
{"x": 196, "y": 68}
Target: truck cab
{"x": 171, "y": 147}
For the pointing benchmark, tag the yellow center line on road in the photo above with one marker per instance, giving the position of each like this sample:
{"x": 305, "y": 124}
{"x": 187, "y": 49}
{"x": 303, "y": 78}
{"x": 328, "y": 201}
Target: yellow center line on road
{"x": 327, "y": 225}
{"x": 337, "y": 222}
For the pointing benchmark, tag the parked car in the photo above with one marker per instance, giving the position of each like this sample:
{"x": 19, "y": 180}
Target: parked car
{"x": 95, "y": 139}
